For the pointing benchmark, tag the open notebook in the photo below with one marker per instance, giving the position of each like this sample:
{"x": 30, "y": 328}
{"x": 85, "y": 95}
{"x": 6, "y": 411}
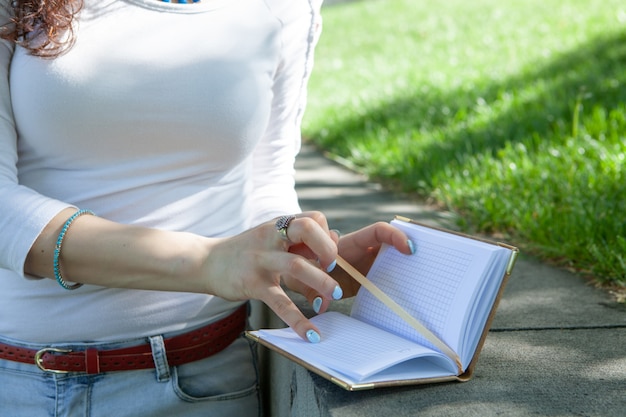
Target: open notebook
{"x": 450, "y": 288}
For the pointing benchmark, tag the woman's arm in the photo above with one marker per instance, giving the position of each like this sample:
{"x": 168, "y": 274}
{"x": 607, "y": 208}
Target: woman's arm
{"x": 101, "y": 252}
{"x": 251, "y": 265}
{"x": 23, "y": 212}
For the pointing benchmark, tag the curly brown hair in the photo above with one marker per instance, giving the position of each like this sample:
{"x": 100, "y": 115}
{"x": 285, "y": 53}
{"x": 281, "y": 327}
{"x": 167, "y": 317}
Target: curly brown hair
{"x": 43, "y": 27}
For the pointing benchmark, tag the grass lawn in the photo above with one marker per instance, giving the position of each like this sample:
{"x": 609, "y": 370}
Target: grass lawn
{"x": 511, "y": 114}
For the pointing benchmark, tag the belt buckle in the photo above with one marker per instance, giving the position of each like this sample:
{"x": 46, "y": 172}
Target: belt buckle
{"x": 39, "y": 359}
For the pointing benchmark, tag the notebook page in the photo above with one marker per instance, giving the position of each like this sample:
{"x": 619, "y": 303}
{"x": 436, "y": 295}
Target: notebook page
{"x": 478, "y": 315}
{"x": 352, "y": 348}
{"x": 435, "y": 285}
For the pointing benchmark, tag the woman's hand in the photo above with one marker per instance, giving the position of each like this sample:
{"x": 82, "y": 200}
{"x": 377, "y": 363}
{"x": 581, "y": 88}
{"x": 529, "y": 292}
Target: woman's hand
{"x": 360, "y": 249}
{"x": 253, "y": 265}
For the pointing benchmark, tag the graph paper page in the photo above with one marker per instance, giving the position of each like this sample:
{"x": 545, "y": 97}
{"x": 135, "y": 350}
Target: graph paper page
{"x": 357, "y": 349}
{"x": 436, "y": 285}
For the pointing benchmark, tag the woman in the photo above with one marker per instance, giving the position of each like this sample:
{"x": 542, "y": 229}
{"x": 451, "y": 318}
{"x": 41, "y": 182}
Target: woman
{"x": 146, "y": 169}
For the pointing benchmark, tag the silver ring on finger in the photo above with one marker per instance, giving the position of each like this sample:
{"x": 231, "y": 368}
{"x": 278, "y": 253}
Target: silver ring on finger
{"x": 282, "y": 224}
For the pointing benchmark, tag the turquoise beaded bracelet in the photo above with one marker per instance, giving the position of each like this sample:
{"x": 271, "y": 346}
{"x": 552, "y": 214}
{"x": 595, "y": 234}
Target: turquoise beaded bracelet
{"x": 57, "y": 250}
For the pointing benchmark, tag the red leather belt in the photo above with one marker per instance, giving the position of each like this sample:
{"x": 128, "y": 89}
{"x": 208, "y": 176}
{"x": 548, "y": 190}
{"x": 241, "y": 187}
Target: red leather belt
{"x": 188, "y": 347}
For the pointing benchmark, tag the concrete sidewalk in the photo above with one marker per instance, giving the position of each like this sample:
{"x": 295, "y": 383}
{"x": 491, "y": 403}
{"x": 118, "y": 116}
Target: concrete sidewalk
{"x": 557, "y": 346}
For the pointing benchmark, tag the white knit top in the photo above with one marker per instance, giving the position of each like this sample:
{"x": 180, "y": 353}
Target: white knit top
{"x": 173, "y": 116}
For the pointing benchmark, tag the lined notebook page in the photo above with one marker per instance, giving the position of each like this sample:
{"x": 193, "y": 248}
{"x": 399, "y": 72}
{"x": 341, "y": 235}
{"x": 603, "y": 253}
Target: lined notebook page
{"x": 435, "y": 285}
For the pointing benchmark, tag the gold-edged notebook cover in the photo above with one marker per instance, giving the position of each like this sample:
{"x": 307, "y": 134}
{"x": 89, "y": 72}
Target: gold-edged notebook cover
{"x": 463, "y": 377}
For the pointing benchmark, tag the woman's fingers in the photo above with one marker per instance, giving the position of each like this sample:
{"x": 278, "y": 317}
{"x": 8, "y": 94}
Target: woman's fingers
{"x": 313, "y": 249}
{"x": 301, "y": 275}
{"x": 313, "y": 297}
{"x": 286, "y": 310}
{"x": 379, "y": 233}
{"x": 372, "y": 237}
{"x": 296, "y": 250}
{"x": 309, "y": 236}
{"x": 359, "y": 248}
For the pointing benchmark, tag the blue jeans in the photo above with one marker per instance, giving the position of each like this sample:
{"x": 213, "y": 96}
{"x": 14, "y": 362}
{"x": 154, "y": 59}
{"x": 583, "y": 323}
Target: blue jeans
{"x": 225, "y": 384}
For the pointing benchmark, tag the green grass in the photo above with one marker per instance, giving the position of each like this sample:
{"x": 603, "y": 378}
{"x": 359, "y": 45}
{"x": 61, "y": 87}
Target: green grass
{"x": 511, "y": 114}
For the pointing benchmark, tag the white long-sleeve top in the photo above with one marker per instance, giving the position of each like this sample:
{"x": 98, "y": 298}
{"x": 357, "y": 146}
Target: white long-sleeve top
{"x": 173, "y": 116}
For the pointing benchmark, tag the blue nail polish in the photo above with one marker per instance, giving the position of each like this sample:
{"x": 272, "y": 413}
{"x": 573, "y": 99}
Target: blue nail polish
{"x": 331, "y": 266}
{"x": 411, "y": 246}
{"x": 313, "y": 336}
{"x": 337, "y": 293}
{"x": 317, "y": 304}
